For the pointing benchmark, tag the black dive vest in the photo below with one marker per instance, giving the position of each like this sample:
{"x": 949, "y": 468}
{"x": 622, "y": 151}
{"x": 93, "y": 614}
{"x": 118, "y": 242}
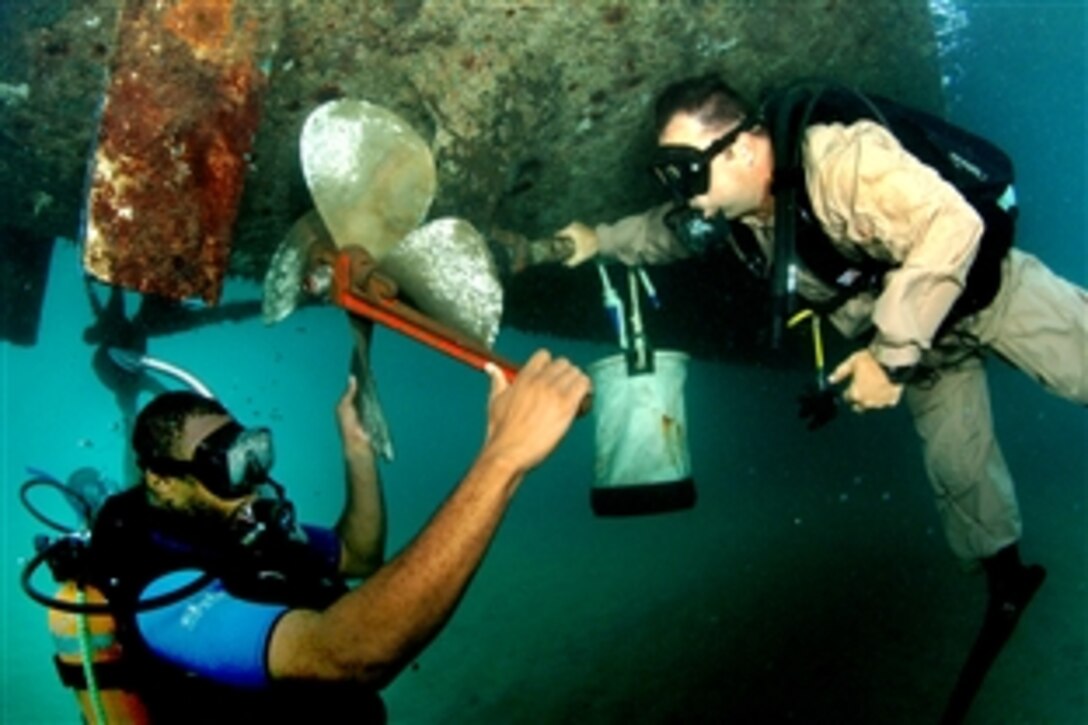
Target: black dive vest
{"x": 133, "y": 544}
{"x": 980, "y": 171}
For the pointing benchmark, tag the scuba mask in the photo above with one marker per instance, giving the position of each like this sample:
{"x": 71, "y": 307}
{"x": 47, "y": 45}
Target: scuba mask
{"x": 684, "y": 171}
{"x": 230, "y": 462}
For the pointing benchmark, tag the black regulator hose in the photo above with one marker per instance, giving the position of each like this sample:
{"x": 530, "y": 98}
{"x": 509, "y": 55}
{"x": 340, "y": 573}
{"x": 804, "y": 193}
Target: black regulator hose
{"x": 144, "y": 605}
{"x": 73, "y": 545}
{"x": 68, "y": 493}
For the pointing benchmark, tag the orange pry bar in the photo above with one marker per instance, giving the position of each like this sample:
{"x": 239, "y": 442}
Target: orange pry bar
{"x": 406, "y": 320}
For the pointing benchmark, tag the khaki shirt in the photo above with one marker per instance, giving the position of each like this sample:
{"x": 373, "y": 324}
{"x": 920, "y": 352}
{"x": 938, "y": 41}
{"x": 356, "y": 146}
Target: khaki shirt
{"x": 872, "y": 198}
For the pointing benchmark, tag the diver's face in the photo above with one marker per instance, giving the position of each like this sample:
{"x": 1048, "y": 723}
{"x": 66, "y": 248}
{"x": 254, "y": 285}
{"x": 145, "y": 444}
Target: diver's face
{"x": 734, "y": 189}
{"x": 187, "y": 493}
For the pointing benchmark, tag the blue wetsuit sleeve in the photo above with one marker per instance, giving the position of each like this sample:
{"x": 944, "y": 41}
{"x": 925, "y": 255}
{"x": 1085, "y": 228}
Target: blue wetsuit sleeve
{"x": 215, "y": 634}
{"x": 210, "y": 633}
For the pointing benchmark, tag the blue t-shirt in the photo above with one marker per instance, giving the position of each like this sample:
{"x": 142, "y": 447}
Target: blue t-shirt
{"x": 215, "y": 634}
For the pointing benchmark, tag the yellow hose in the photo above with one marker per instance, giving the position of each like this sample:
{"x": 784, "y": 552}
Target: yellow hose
{"x": 817, "y": 336}
{"x": 84, "y": 632}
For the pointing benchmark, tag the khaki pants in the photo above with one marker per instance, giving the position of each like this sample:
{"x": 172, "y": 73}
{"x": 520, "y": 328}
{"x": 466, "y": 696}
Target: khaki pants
{"x": 1039, "y": 323}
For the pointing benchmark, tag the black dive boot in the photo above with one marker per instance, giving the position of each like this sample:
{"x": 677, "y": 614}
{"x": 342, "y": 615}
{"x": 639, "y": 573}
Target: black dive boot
{"x": 1011, "y": 587}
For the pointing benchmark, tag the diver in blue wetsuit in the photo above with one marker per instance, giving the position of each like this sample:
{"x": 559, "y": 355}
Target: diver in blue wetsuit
{"x": 258, "y": 621}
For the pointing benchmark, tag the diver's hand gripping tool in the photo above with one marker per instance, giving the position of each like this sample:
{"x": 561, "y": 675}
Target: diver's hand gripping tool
{"x": 359, "y": 290}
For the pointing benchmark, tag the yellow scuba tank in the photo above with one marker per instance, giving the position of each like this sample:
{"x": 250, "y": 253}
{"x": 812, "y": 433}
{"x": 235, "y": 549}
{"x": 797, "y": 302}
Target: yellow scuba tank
{"x": 89, "y": 659}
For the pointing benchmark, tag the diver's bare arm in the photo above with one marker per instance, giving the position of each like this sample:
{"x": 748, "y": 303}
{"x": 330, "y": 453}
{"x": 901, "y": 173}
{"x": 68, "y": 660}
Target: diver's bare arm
{"x": 361, "y": 527}
{"x": 370, "y": 634}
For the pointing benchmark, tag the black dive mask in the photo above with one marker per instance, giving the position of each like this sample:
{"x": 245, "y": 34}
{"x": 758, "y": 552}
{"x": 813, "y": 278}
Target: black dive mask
{"x": 230, "y": 462}
{"x": 685, "y": 170}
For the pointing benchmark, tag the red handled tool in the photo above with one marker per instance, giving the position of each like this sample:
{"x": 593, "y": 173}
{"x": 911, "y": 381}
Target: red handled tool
{"x": 370, "y": 303}
{"x": 366, "y": 299}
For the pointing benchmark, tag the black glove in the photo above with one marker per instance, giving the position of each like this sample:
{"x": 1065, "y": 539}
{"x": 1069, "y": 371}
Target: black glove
{"x": 818, "y": 404}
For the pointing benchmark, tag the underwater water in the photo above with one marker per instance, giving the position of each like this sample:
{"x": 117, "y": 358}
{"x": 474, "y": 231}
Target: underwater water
{"x": 811, "y": 582}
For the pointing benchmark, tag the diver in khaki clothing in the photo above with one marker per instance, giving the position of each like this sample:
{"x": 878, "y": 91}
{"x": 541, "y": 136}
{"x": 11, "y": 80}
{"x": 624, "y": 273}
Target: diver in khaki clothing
{"x": 877, "y": 205}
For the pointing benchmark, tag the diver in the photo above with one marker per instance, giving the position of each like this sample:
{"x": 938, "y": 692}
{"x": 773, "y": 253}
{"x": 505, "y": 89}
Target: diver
{"x": 120, "y": 343}
{"x": 839, "y": 210}
{"x": 229, "y": 610}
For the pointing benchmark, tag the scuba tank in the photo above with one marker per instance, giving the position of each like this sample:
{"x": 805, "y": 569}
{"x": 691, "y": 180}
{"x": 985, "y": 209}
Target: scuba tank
{"x": 87, "y": 651}
{"x": 88, "y": 654}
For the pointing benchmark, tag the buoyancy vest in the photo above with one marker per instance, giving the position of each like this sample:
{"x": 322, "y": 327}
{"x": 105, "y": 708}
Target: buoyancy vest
{"x": 979, "y": 170}
{"x": 134, "y": 543}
